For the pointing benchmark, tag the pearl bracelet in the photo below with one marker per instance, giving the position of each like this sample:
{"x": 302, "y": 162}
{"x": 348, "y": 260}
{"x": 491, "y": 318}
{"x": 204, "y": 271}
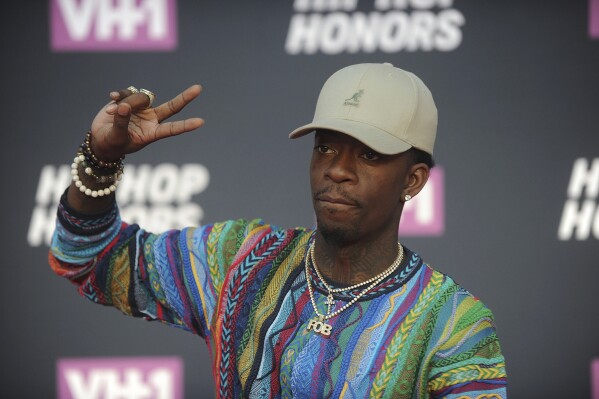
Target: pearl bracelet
{"x": 86, "y": 190}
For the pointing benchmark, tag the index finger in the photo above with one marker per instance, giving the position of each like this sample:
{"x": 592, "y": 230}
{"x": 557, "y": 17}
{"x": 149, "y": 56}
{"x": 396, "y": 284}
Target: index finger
{"x": 176, "y": 104}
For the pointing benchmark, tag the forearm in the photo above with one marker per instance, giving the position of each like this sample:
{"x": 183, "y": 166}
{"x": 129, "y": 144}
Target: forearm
{"x": 106, "y": 258}
{"x": 88, "y": 205}
{"x": 109, "y": 260}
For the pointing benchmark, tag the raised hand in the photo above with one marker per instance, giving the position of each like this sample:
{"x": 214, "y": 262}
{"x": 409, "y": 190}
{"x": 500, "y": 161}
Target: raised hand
{"x": 125, "y": 125}
{"x": 128, "y": 123}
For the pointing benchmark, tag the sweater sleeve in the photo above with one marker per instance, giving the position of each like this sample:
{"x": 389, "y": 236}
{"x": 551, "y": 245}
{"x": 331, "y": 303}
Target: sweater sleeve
{"x": 467, "y": 361}
{"x": 174, "y": 277}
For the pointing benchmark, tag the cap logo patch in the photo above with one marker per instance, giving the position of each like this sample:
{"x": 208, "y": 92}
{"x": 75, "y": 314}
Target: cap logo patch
{"x": 354, "y": 101}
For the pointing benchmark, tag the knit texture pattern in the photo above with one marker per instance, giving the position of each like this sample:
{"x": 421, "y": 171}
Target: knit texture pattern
{"x": 241, "y": 286}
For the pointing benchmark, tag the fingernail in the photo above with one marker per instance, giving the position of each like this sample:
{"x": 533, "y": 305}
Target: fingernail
{"x": 123, "y": 111}
{"x": 111, "y": 108}
{"x": 114, "y": 94}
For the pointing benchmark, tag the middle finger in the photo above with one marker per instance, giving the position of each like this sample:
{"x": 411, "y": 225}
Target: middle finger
{"x": 137, "y": 100}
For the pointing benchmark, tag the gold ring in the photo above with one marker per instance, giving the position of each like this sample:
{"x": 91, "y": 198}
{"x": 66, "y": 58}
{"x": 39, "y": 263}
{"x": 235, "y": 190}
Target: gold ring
{"x": 133, "y": 89}
{"x": 150, "y": 95}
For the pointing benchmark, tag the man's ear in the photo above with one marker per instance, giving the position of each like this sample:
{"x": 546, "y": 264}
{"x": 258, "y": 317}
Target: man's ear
{"x": 417, "y": 177}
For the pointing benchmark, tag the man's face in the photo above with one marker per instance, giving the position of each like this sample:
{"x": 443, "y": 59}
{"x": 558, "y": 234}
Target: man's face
{"x": 356, "y": 192}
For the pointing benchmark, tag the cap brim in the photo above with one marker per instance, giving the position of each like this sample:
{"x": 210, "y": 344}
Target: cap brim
{"x": 375, "y": 138}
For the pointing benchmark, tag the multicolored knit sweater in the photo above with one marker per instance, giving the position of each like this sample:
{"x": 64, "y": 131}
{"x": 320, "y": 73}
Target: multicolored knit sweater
{"x": 242, "y": 286}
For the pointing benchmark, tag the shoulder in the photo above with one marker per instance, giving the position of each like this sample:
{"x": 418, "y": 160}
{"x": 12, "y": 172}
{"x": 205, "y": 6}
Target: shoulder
{"x": 446, "y": 291}
{"x": 231, "y": 238}
{"x": 244, "y": 230}
{"x": 459, "y": 320}
{"x": 461, "y": 301}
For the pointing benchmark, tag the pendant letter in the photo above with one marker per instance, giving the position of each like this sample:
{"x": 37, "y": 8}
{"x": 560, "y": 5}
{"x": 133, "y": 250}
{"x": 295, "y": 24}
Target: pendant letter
{"x": 319, "y": 327}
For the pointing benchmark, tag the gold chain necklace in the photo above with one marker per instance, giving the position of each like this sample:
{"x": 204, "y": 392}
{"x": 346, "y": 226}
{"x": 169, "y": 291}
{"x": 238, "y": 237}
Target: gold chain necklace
{"x": 317, "y": 324}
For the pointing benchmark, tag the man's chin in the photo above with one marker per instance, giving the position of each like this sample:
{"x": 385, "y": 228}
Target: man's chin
{"x": 338, "y": 234}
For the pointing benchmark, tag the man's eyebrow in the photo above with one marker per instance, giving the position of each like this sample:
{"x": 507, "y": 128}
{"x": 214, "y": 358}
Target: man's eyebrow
{"x": 325, "y": 134}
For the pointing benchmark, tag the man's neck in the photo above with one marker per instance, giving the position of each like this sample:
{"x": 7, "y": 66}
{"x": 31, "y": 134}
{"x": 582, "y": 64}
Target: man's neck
{"x": 355, "y": 262}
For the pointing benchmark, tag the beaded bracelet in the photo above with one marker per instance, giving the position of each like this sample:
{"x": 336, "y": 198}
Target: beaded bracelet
{"x": 92, "y": 160}
{"x": 108, "y": 177}
{"x": 102, "y": 178}
{"x": 80, "y": 158}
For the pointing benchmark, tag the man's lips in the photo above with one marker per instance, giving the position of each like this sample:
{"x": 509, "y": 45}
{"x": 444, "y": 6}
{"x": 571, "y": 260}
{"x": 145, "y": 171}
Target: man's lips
{"x": 335, "y": 200}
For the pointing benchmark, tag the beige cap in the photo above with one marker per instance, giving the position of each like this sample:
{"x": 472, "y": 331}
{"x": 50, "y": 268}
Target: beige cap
{"x": 388, "y": 109}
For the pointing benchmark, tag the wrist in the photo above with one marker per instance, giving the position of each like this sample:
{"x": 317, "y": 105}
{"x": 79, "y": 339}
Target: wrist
{"x": 94, "y": 182}
{"x": 97, "y": 157}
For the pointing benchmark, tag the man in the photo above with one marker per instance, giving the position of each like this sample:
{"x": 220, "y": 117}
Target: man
{"x": 344, "y": 311}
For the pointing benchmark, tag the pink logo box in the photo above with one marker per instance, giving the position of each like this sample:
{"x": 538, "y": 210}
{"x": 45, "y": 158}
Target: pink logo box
{"x": 424, "y": 215}
{"x": 113, "y": 25}
{"x": 594, "y": 19}
{"x": 111, "y": 378}
{"x": 595, "y": 379}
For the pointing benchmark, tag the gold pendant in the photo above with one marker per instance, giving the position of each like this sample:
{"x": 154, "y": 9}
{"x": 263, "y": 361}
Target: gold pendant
{"x": 319, "y": 326}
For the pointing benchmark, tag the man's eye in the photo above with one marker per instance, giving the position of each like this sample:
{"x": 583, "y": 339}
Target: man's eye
{"x": 371, "y": 156}
{"x": 323, "y": 149}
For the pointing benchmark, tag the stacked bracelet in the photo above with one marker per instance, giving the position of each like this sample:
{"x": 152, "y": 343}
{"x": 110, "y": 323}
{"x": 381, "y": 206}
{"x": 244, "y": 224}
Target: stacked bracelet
{"x": 101, "y": 171}
{"x": 93, "y": 161}
{"x": 100, "y": 192}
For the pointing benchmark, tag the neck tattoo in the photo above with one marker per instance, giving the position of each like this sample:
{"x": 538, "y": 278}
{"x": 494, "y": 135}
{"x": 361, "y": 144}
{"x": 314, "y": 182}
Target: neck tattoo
{"x": 318, "y": 324}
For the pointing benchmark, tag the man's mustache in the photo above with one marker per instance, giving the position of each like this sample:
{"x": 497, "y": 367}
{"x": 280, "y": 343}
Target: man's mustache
{"x": 336, "y": 191}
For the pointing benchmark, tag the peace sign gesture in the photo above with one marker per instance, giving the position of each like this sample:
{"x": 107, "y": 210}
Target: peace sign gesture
{"x": 129, "y": 122}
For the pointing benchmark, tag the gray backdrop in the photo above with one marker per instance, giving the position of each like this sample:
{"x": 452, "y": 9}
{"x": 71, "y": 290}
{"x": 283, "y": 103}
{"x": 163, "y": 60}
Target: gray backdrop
{"x": 518, "y": 105}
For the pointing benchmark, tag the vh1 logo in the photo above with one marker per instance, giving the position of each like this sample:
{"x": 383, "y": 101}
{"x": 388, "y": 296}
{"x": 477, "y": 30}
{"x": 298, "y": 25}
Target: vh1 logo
{"x": 118, "y": 378}
{"x": 594, "y": 19}
{"x": 113, "y": 25}
{"x": 424, "y": 215}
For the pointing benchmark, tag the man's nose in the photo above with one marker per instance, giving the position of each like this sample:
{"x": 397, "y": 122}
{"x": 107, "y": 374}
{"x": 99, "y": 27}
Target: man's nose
{"x": 342, "y": 168}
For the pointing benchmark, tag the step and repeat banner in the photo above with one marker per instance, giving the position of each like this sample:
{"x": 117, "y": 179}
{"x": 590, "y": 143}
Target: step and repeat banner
{"x": 511, "y": 211}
